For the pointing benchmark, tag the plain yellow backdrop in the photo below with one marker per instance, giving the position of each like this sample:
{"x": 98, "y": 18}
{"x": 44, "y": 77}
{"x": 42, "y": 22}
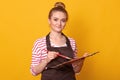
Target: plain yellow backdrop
{"x": 94, "y": 24}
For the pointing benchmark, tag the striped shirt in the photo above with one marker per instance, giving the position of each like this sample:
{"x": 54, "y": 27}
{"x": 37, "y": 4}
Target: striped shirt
{"x": 39, "y": 51}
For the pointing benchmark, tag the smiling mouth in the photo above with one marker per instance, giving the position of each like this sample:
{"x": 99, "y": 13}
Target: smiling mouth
{"x": 58, "y": 26}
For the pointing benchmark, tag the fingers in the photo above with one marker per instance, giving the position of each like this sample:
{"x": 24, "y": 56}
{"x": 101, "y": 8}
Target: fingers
{"x": 51, "y": 55}
{"x": 85, "y": 54}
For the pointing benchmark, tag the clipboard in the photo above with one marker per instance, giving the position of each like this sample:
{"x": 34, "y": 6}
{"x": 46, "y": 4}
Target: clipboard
{"x": 73, "y": 60}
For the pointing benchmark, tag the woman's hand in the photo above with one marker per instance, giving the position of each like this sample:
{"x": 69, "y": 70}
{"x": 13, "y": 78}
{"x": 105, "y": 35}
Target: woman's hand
{"x": 85, "y": 55}
{"x": 77, "y": 65}
{"x": 51, "y": 55}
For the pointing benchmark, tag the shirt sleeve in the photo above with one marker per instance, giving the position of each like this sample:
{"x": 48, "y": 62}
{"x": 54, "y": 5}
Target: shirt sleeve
{"x": 39, "y": 53}
{"x": 74, "y": 46}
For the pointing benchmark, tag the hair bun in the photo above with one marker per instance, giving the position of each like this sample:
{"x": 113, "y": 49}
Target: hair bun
{"x": 59, "y": 4}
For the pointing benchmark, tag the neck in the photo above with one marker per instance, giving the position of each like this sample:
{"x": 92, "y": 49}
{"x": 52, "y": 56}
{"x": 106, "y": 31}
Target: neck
{"x": 55, "y": 35}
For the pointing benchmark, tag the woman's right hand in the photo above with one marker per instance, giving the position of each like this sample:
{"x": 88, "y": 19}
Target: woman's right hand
{"x": 51, "y": 55}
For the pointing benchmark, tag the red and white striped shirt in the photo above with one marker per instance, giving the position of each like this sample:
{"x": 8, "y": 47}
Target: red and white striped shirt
{"x": 39, "y": 51}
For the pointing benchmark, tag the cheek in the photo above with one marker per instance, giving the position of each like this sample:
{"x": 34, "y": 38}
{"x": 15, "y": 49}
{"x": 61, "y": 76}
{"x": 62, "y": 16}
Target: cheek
{"x": 63, "y": 24}
{"x": 51, "y": 23}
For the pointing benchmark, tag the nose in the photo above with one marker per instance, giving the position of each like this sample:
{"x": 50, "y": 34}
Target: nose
{"x": 59, "y": 23}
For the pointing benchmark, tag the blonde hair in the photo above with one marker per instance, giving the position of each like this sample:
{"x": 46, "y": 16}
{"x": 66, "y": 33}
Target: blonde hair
{"x": 58, "y": 6}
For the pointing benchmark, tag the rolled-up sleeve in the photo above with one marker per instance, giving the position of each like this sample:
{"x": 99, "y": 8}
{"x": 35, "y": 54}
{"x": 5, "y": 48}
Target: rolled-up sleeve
{"x": 38, "y": 53}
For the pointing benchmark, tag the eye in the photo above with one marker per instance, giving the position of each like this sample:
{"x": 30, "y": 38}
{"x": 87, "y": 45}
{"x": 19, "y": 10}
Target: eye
{"x": 63, "y": 20}
{"x": 55, "y": 19}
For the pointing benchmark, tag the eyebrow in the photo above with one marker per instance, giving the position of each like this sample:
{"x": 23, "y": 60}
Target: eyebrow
{"x": 57, "y": 18}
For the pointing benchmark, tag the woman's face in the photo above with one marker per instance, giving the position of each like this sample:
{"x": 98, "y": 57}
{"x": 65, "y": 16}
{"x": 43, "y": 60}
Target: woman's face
{"x": 57, "y": 21}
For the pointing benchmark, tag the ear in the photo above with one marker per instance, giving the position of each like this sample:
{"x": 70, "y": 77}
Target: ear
{"x": 49, "y": 21}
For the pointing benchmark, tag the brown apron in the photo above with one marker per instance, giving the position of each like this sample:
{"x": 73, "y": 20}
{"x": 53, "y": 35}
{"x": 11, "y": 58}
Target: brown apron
{"x": 63, "y": 73}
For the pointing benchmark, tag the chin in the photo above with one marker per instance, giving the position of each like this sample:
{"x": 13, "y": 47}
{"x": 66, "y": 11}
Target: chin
{"x": 59, "y": 30}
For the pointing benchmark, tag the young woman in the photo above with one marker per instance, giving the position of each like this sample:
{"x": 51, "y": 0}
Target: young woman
{"x": 46, "y": 49}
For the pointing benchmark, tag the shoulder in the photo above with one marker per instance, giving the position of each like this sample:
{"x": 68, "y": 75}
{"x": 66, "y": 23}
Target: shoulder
{"x": 72, "y": 41}
{"x": 40, "y": 41}
{"x": 73, "y": 44}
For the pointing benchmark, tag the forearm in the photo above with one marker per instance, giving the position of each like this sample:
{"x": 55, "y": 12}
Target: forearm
{"x": 77, "y": 66}
{"x": 40, "y": 67}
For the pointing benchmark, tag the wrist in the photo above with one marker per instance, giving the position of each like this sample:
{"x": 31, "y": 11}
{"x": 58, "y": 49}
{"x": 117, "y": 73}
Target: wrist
{"x": 45, "y": 61}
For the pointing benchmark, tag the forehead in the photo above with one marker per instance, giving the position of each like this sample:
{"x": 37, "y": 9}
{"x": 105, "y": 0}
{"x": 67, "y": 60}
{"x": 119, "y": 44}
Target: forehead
{"x": 58, "y": 14}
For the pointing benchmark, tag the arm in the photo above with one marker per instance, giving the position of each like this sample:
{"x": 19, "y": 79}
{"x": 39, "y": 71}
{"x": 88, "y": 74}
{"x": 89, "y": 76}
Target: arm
{"x": 37, "y": 69}
{"x": 77, "y": 66}
{"x": 40, "y": 56}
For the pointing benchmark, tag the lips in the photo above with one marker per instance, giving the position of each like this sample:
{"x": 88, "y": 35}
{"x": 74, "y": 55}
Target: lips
{"x": 58, "y": 26}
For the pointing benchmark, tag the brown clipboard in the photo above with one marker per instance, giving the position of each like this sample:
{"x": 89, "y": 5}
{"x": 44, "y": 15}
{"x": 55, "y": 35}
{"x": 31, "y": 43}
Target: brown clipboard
{"x": 73, "y": 60}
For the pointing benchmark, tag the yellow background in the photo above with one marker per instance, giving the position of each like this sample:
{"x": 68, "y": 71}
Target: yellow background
{"x": 94, "y": 24}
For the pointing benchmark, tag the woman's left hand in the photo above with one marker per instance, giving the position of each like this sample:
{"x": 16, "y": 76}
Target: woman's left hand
{"x": 85, "y": 55}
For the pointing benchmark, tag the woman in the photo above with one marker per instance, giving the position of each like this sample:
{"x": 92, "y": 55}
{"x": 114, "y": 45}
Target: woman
{"x": 46, "y": 49}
